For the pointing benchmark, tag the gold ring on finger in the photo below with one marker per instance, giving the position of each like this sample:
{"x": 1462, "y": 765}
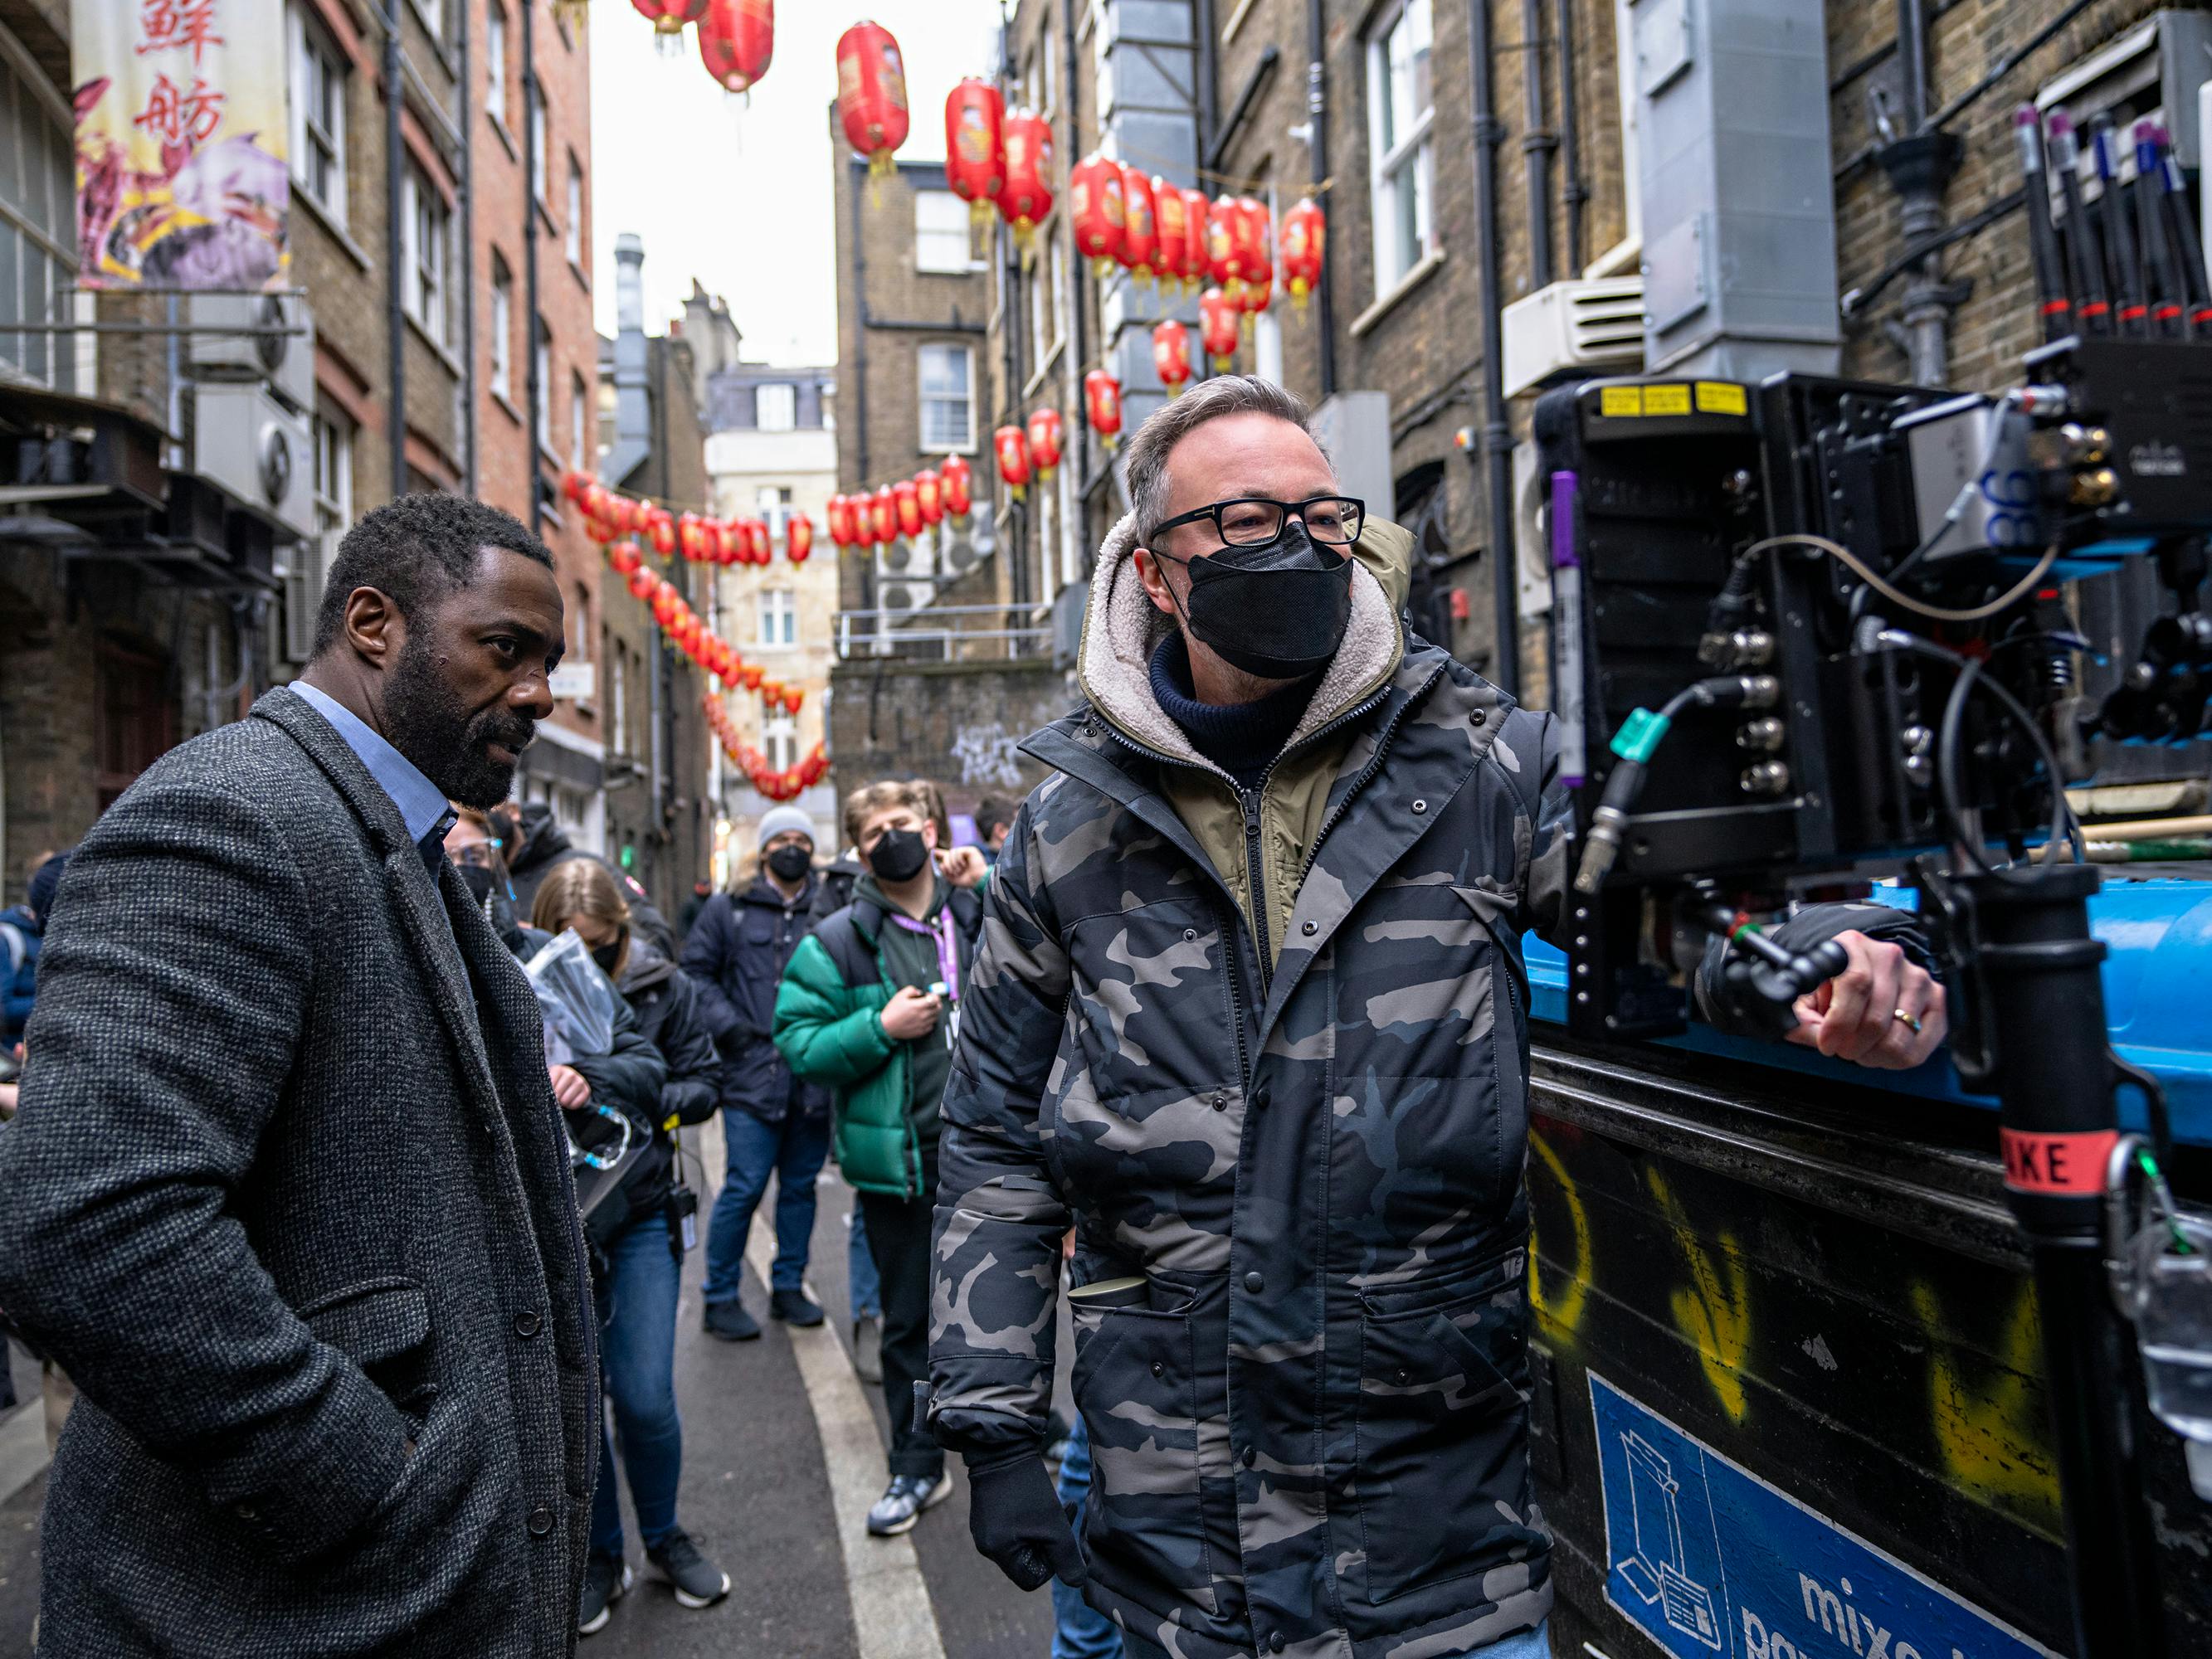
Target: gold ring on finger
{"x": 1912, "y": 1021}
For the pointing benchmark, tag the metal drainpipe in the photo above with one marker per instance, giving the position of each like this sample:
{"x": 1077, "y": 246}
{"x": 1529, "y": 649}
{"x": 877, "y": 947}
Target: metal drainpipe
{"x": 533, "y": 102}
{"x": 859, "y": 382}
{"x": 1209, "y": 97}
{"x": 467, "y": 183}
{"x": 1574, "y": 194}
{"x": 1537, "y": 143}
{"x": 1317, "y": 116}
{"x": 1920, "y": 166}
{"x": 1496, "y": 435}
{"x": 656, "y": 393}
{"x": 395, "y": 251}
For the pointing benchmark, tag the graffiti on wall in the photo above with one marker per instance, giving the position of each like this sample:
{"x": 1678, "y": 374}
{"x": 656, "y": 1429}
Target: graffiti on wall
{"x": 987, "y": 756}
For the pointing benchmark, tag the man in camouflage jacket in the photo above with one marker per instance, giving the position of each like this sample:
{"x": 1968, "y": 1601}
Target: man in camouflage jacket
{"x": 1260, "y": 1034}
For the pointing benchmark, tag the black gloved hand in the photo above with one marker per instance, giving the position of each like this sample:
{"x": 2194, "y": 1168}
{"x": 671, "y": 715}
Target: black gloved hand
{"x": 1016, "y": 1520}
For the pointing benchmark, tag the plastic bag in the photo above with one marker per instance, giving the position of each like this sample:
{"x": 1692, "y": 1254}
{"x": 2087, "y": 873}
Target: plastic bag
{"x": 578, "y": 1003}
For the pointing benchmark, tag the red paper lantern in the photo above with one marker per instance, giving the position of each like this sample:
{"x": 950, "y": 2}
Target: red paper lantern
{"x": 573, "y": 485}
{"x": 1218, "y": 314}
{"x": 872, "y": 94}
{"x": 1101, "y": 401}
{"x": 664, "y": 607}
{"x": 910, "y": 508}
{"x": 882, "y": 516}
{"x": 929, "y": 496}
{"x": 1305, "y": 234}
{"x": 1013, "y": 451}
{"x": 1044, "y": 436}
{"x": 597, "y": 500}
{"x": 1140, "y": 242}
{"x": 1224, "y": 258}
{"x": 1258, "y": 258}
{"x": 975, "y": 145}
{"x": 668, "y": 17}
{"x": 737, "y": 39}
{"x": 623, "y": 557}
{"x": 958, "y": 479}
{"x": 1026, "y": 201}
{"x": 692, "y": 536}
{"x": 659, "y": 528}
{"x": 1196, "y": 216}
{"x": 1171, "y": 224}
{"x": 799, "y": 539}
{"x": 751, "y": 675}
{"x": 840, "y": 520}
{"x": 642, "y": 584}
{"x": 601, "y": 531}
{"x": 1171, "y": 355}
{"x": 731, "y": 672}
{"x": 1097, "y": 212}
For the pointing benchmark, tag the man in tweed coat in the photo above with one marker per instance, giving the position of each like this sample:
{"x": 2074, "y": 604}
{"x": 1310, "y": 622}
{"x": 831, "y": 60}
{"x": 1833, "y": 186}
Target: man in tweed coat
{"x": 1249, "y": 1014}
{"x": 287, "y": 1195}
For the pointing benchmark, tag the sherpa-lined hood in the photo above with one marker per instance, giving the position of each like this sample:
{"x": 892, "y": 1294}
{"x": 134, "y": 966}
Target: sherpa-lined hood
{"x": 1121, "y": 627}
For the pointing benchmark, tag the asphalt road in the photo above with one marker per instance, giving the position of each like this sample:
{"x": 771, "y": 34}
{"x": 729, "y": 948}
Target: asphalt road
{"x": 757, "y": 1495}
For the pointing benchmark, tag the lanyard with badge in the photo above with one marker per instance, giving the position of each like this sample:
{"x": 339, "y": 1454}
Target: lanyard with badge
{"x": 948, "y": 965}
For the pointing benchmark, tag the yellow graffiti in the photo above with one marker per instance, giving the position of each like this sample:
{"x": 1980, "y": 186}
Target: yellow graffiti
{"x": 1992, "y": 1438}
{"x": 1559, "y": 1320}
{"x": 1716, "y": 1318}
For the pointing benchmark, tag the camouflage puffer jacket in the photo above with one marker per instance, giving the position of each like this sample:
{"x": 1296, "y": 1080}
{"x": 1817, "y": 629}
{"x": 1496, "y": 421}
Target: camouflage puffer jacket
{"x": 1312, "y": 1435}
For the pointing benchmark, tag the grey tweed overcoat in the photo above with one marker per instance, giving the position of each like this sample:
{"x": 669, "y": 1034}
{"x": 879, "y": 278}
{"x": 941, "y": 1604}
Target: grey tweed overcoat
{"x": 288, "y": 1192}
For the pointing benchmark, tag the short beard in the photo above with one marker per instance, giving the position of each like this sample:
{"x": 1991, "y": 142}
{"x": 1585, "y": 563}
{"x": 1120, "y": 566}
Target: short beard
{"x": 425, "y": 722}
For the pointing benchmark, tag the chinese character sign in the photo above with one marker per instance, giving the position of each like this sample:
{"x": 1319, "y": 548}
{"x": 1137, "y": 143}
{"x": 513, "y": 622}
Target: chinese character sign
{"x": 180, "y": 144}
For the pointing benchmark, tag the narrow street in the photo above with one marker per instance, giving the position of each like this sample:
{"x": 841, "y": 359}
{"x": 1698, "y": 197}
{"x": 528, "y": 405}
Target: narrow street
{"x": 760, "y": 1493}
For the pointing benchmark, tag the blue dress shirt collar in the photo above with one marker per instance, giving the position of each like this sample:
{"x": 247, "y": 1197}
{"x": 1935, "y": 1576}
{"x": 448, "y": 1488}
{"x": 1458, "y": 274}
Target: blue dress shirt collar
{"x": 423, "y": 806}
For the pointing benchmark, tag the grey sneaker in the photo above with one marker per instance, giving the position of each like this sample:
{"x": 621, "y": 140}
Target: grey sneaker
{"x": 675, "y": 1561}
{"x": 904, "y": 1500}
{"x": 868, "y": 1348}
{"x": 606, "y": 1581}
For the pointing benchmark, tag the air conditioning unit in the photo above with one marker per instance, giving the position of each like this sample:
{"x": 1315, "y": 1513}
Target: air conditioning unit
{"x": 1584, "y": 325}
{"x": 900, "y": 599}
{"x": 256, "y": 449}
{"x": 245, "y": 337}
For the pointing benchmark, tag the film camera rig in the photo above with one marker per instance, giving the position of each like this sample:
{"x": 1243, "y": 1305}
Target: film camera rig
{"x": 1815, "y": 631}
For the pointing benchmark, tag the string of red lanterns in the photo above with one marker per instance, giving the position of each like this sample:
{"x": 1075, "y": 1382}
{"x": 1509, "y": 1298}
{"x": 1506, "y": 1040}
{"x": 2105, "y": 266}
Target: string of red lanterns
{"x": 609, "y": 515}
{"x": 902, "y": 510}
{"x": 773, "y": 785}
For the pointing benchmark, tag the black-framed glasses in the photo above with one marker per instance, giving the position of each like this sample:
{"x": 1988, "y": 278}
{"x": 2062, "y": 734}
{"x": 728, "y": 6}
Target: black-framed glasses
{"x": 1254, "y": 521}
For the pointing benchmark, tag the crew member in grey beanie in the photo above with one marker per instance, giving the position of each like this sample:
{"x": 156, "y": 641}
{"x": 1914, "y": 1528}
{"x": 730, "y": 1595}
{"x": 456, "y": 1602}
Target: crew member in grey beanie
{"x": 772, "y": 1124}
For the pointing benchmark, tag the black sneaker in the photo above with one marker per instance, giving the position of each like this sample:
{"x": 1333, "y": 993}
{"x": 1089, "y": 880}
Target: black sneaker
{"x": 730, "y": 1323}
{"x": 904, "y": 1500}
{"x": 793, "y": 1307}
{"x": 675, "y": 1561}
{"x": 606, "y": 1581}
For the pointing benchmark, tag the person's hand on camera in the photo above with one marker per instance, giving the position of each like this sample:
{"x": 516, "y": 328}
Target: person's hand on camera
{"x": 1016, "y": 1519}
{"x": 910, "y": 1015}
{"x": 1882, "y": 1010}
{"x": 569, "y": 1088}
{"x": 964, "y": 866}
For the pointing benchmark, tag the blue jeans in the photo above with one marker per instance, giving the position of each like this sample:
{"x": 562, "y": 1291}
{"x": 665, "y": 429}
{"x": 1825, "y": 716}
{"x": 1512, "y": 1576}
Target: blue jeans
{"x": 1079, "y": 1630}
{"x": 1528, "y": 1645}
{"x": 792, "y": 1151}
{"x": 637, "y": 1359}
{"x": 866, "y": 1290}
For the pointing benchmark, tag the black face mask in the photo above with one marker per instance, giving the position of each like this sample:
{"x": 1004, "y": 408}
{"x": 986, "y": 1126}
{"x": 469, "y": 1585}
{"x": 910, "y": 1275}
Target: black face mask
{"x": 790, "y": 863}
{"x": 898, "y": 855}
{"x": 1278, "y": 612}
{"x": 608, "y": 955}
{"x": 478, "y": 880}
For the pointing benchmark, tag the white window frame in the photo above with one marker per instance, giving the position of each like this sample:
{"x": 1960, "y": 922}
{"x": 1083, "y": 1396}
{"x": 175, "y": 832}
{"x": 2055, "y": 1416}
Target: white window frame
{"x": 318, "y": 135}
{"x": 1624, "y": 255}
{"x": 935, "y": 441}
{"x": 502, "y": 329}
{"x": 933, "y": 244}
{"x": 779, "y": 617}
{"x": 1413, "y": 153}
{"x": 773, "y": 503}
{"x": 330, "y": 435}
{"x": 780, "y": 741}
{"x": 427, "y": 232}
{"x": 572, "y": 233}
{"x": 786, "y": 406}
{"x": 537, "y": 148}
{"x": 541, "y": 347}
{"x": 496, "y": 61}
{"x": 580, "y": 395}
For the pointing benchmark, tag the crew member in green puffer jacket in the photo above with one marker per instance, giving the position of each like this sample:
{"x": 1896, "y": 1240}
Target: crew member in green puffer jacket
{"x": 869, "y": 1008}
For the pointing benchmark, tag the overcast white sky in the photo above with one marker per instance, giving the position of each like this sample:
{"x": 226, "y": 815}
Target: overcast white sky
{"x": 736, "y": 191}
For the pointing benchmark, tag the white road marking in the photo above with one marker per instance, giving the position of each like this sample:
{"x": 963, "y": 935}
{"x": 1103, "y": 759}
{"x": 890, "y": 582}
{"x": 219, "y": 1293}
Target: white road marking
{"x": 891, "y": 1612}
{"x": 892, "y": 1616}
{"x": 22, "y": 1446}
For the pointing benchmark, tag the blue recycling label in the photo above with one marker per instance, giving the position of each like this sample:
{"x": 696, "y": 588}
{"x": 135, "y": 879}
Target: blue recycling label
{"x": 1705, "y": 1558}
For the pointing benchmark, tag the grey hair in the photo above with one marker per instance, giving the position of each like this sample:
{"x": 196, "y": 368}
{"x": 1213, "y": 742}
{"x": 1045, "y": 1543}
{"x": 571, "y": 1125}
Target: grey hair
{"x": 1177, "y": 418}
